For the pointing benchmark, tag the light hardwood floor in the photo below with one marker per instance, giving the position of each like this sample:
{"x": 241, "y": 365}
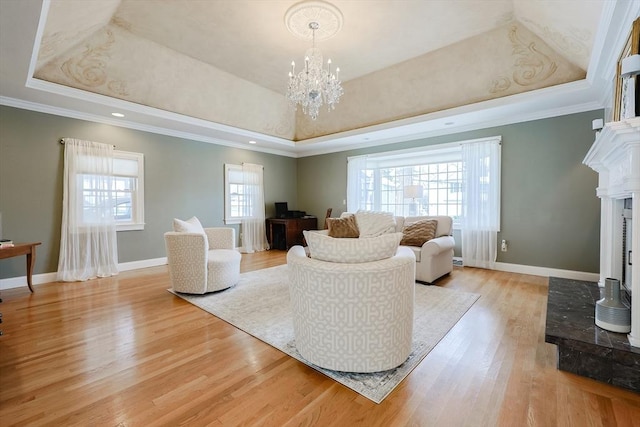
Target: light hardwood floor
{"x": 125, "y": 352}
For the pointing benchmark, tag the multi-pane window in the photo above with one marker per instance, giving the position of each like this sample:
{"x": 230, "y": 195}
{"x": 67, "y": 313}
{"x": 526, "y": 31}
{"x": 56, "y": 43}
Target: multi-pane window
{"x": 238, "y": 195}
{"x": 441, "y": 193}
{"x": 390, "y": 182}
{"x": 385, "y": 189}
{"x": 234, "y": 193}
{"x": 122, "y": 192}
{"x": 416, "y": 182}
{"x": 460, "y": 180}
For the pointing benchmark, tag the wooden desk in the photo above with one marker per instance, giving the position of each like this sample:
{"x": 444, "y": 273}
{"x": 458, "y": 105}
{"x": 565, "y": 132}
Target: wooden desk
{"x": 28, "y": 249}
{"x": 282, "y": 233}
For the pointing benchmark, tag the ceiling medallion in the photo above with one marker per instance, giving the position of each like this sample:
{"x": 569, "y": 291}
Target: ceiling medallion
{"x": 299, "y": 17}
{"x": 314, "y": 86}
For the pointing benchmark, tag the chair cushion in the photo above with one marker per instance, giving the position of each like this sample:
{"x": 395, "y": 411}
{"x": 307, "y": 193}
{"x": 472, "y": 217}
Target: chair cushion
{"x": 372, "y": 224}
{"x": 419, "y": 232}
{"x": 192, "y": 225}
{"x": 343, "y": 227}
{"x": 350, "y": 250}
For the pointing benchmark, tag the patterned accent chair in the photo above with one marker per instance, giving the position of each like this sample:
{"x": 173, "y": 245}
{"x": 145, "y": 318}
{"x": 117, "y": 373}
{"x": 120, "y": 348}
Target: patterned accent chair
{"x": 201, "y": 263}
{"x": 353, "y": 316}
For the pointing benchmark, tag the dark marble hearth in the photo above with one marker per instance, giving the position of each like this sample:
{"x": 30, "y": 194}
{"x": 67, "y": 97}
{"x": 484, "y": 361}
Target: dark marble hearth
{"x": 584, "y": 348}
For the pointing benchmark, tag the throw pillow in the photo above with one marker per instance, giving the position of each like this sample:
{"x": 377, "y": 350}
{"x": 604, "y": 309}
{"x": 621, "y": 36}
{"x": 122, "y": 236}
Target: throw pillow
{"x": 419, "y": 232}
{"x": 372, "y": 224}
{"x": 350, "y": 250}
{"x": 343, "y": 227}
{"x": 192, "y": 225}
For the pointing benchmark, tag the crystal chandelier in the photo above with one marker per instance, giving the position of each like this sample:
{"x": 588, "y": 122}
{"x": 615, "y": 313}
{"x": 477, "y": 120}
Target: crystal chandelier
{"x": 314, "y": 86}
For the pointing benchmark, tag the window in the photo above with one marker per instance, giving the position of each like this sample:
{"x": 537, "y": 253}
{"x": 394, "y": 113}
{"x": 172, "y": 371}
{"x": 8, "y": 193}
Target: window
{"x": 124, "y": 192}
{"x": 379, "y": 182}
{"x": 237, "y": 195}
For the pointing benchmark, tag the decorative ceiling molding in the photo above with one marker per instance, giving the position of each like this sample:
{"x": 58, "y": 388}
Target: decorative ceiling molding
{"x": 128, "y": 59}
{"x": 299, "y": 17}
{"x": 20, "y": 38}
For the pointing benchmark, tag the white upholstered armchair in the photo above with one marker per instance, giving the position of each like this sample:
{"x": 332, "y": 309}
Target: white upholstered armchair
{"x": 201, "y": 263}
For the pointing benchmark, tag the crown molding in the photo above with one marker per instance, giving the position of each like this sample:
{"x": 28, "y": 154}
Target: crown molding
{"x": 513, "y": 109}
{"x": 613, "y": 30}
{"x": 74, "y": 114}
{"x": 150, "y": 112}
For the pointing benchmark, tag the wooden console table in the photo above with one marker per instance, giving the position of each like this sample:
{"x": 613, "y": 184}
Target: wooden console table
{"x": 28, "y": 249}
{"x": 283, "y": 233}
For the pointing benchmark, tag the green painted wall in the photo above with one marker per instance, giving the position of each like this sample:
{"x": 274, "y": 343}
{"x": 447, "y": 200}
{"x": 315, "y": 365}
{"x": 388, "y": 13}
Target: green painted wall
{"x": 182, "y": 178}
{"x": 550, "y": 213}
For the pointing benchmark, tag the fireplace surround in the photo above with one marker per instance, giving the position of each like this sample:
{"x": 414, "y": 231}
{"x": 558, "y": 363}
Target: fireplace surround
{"x": 615, "y": 155}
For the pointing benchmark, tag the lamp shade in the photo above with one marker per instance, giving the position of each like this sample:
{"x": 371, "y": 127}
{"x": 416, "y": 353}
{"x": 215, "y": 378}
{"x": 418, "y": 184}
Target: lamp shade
{"x": 412, "y": 191}
{"x": 630, "y": 66}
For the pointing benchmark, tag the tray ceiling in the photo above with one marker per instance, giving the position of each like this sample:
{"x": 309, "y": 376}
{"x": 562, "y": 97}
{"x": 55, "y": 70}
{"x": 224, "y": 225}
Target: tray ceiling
{"x": 226, "y": 62}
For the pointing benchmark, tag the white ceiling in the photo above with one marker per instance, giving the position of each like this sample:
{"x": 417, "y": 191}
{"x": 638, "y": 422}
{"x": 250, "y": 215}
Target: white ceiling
{"x": 216, "y": 70}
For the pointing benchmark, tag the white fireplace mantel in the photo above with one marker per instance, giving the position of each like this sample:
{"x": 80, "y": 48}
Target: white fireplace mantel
{"x": 615, "y": 155}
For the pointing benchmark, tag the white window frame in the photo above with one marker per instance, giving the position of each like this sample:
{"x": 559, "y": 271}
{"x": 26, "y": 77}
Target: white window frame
{"x": 440, "y": 153}
{"x": 137, "y": 195}
{"x": 137, "y": 192}
{"x": 229, "y": 169}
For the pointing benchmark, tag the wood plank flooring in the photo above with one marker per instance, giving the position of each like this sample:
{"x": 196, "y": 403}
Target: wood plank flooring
{"x": 123, "y": 351}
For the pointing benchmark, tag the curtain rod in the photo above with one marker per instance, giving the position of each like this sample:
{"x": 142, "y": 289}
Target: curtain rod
{"x": 62, "y": 142}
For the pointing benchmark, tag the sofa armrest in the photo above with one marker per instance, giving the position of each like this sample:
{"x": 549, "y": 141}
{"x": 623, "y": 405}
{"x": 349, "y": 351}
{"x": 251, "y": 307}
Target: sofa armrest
{"x": 221, "y": 237}
{"x": 296, "y": 251}
{"x": 438, "y": 245}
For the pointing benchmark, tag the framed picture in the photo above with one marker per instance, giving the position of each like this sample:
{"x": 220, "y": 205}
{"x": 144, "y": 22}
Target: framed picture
{"x": 629, "y": 87}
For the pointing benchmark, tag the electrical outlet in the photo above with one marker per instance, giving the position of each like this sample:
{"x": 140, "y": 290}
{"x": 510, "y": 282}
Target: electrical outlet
{"x": 504, "y": 246}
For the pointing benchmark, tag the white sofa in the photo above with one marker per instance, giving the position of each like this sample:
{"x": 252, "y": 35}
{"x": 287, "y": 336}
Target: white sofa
{"x": 355, "y": 316}
{"x": 434, "y": 258}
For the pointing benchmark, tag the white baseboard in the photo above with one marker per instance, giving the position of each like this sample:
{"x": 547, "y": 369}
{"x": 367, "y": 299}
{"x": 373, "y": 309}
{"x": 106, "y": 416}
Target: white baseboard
{"x": 16, "y": 282}
{"x": 145, "y": 263}
{"x": 21, "y": 281}
{"x": 38, "y": 279}
{"x": 547, "y": 272}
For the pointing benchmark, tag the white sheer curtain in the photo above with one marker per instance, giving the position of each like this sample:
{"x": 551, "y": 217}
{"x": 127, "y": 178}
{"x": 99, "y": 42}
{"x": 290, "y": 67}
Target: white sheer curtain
{"x": 480, "y": 220}
{"x": 355, "y": 182}
{"x": 88, "y": 245}
{"x": 254, "y": 236}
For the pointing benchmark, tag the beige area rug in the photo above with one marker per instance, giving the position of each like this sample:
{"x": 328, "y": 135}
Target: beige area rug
{"x": 259, "y": 305}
